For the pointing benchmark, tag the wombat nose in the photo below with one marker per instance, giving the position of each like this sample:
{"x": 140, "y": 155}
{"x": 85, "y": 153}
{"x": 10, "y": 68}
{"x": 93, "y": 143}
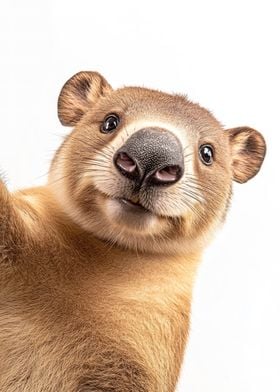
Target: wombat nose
{"x": 168, "y": 174}
{"x": 151, "y": 156}
{"x": 124, "y": 163}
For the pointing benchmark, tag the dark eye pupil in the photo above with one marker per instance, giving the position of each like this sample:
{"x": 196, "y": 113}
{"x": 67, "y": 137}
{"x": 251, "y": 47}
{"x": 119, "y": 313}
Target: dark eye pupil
{"x": 206, "y": 154}
{"x": 110, "y": 124}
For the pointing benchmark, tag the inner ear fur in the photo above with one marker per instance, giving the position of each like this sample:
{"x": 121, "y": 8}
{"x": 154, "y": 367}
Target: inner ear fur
{"x": 78, "y": 94}
{"x": 248, "y": 150}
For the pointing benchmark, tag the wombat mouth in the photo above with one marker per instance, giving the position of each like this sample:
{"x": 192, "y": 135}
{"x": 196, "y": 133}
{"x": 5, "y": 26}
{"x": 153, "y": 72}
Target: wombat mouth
{"x": 133, "y": 207}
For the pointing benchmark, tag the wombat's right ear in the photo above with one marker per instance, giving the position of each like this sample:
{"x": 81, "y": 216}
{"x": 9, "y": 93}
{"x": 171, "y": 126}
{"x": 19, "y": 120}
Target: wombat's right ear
{"x": 77, "y": 95}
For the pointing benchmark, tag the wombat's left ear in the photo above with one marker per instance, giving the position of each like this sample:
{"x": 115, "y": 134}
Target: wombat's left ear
{"x": 78, "y": 94}
{"x": 248, "y": 151}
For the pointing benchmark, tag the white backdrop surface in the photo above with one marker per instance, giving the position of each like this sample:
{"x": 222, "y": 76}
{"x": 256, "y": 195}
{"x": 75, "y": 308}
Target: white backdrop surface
{"x": 223, "y": 54}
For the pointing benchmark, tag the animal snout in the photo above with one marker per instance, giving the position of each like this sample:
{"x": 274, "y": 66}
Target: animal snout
{"x": 151, "y": 156}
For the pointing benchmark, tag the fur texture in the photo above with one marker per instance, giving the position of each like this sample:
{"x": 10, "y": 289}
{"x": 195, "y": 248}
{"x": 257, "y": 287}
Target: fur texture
{"x": 93, "y": 298}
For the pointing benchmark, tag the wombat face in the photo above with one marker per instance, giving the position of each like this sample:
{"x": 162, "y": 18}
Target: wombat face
{"x": 145, "y": 169}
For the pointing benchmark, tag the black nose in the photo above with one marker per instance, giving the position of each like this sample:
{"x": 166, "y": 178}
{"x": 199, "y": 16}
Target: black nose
{"x": 152, "y": 156}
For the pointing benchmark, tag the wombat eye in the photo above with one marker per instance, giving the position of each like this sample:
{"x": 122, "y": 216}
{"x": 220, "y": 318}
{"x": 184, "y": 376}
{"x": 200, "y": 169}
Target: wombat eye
{"x": 110, "y": 123}
{"x": 206, "y": 154}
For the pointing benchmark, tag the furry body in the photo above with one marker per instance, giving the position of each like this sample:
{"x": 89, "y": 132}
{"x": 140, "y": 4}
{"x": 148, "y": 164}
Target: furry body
{"x": 93, "y": 298}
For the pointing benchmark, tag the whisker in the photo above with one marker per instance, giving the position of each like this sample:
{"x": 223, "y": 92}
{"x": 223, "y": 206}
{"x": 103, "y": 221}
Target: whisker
{"x": 188, "y": 155}
{"x": 61, "y": 178}
{"x": 204, "y": 187}
{"x": 97, "y": 171}
{"x": 126, "y": 131}
{"x": 95, "y": 163}
{"x": 104, "y": 176}
{"x": 192, "y": 194}
{"x": 187, "y": 146}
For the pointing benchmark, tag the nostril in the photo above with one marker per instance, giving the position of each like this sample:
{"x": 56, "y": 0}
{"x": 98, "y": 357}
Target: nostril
{"x": 124, "y": 162}
{"x": 168, "y": 174}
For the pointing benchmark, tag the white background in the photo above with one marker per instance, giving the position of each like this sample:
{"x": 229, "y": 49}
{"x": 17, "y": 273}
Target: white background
{"x": 224, "y": 55}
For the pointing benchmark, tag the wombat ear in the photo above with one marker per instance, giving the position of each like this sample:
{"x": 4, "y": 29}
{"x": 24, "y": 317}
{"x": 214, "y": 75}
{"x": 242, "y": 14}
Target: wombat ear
{"x": 248, "y": 151}
{"x": 77, "y": 95}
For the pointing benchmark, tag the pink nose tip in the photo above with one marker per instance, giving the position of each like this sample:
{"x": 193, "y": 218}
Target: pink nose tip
{"x": 168, "y": 174}
{"x": 125, "y": 163}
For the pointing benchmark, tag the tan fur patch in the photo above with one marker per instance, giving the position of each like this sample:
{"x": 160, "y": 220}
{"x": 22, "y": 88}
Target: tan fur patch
{"x": 96, "y": 297}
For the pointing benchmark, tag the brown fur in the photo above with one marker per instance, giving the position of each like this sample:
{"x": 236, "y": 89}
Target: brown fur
{"x": 93, "y": 303}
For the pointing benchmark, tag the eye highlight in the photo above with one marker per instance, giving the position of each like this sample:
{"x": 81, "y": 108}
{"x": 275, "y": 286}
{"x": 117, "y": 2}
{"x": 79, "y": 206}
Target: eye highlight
{"x": 206, "y": 154}
{"x": 110, "y": 123}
